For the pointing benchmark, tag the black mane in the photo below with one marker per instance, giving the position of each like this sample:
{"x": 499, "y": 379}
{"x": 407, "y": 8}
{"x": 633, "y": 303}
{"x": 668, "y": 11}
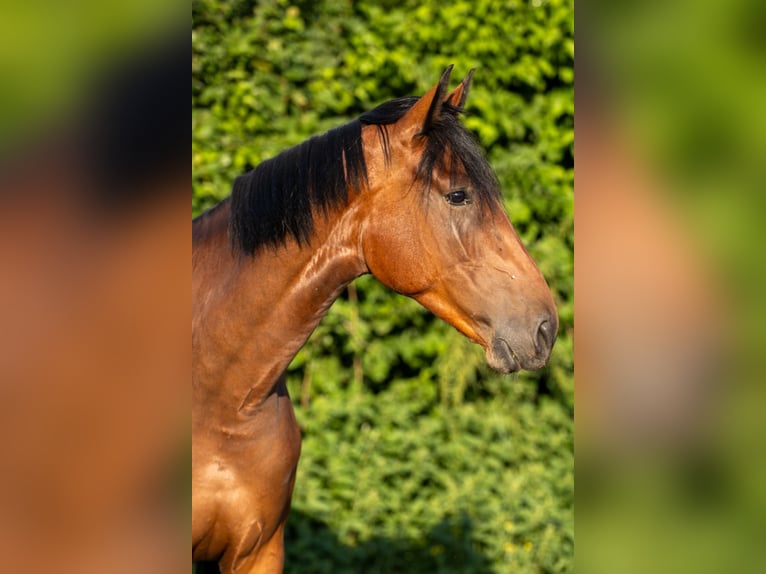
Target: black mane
{"x": 277, "y": 199}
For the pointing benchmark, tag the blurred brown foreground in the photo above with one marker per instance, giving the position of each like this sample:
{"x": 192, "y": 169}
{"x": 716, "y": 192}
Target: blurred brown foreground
{"x": 94, "y": 292}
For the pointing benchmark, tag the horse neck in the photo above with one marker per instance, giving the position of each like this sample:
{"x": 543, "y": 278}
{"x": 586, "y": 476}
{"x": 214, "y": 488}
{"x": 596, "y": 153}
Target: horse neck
{"x": 252, "y": 315}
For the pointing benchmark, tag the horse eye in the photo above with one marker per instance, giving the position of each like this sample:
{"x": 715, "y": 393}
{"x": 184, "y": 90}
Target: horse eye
{"x": 459, "y": 197}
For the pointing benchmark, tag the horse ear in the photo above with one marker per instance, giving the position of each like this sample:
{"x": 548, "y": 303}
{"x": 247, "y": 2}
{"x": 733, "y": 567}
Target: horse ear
{"x": 458, "y": 96}
{"x": 420, "y": 116}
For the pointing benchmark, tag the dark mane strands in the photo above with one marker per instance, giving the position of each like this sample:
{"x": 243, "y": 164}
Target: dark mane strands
{"x": 447, "y": 135}
{"x": 276, "y": 200}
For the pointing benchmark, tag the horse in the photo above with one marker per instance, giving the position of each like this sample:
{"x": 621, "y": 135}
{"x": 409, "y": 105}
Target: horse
{"x": 403, "y": 192}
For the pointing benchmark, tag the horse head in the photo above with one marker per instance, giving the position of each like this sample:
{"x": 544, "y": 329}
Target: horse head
{"x": 434, "y": 229}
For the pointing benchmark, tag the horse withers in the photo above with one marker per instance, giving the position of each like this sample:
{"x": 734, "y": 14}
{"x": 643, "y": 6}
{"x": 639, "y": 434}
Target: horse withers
{"x": 402, "y": 192}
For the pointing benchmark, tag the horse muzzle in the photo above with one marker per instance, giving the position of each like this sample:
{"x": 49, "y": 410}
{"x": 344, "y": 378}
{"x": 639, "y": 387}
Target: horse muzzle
{"x": 514, "y": 349}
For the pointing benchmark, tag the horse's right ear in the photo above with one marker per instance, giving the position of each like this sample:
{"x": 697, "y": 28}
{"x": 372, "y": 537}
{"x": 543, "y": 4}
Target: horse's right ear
{"x": 419, "y": 118}
{"x": 458, "y": 96}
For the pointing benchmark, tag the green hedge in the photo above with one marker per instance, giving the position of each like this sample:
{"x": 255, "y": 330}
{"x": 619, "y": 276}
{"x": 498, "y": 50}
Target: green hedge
{"x": 416, "y": 458}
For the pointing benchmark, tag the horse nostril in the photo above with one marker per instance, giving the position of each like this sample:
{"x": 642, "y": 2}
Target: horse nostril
{"x": 545, "y": 337}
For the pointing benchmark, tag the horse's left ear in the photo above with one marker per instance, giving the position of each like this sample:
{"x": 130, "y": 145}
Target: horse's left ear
{"x": 419, "y": 118}
{"x": 458, "y": 96}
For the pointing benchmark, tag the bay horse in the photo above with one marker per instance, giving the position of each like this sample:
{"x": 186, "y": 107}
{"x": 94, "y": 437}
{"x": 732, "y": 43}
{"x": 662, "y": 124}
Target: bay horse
{"x": 404, "y": 193}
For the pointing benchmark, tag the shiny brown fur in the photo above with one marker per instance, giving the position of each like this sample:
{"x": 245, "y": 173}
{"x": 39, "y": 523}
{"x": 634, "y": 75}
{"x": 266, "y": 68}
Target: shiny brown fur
{"x": 251, "y": 313}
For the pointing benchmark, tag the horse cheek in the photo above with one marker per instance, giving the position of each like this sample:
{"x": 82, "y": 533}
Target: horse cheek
{"x": 396, "y": 259}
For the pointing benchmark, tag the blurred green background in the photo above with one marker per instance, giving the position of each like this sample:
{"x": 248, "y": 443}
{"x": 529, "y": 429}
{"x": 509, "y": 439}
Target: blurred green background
{"x": 681, "y": 85}
{"x": 416, "y": 457}
{"x": 51, "y": 53}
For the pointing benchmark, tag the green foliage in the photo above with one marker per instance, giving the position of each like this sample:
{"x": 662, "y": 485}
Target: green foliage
{"x": 399, "y": 483}
{"x": 416, "y": 458}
